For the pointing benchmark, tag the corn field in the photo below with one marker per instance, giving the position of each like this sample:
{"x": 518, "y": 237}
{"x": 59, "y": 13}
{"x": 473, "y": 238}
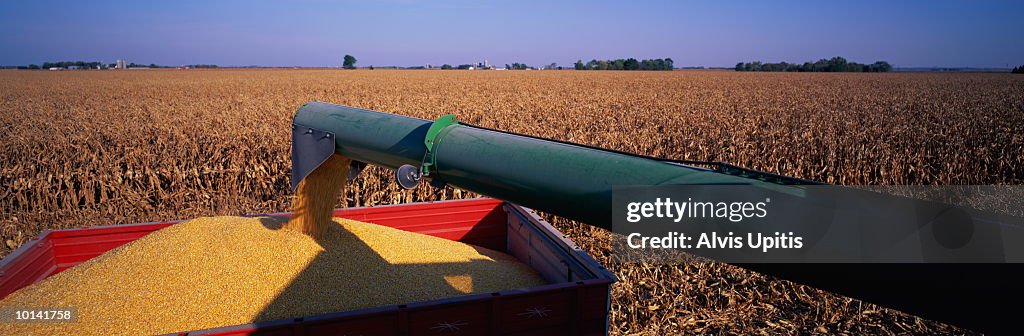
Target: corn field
{"x": 97, "y": 148}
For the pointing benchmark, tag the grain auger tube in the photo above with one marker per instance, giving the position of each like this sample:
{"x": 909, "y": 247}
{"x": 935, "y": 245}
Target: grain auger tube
{"x": 570, "y": 180}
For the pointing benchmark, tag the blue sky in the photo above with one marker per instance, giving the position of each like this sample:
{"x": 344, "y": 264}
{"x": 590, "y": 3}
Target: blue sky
{"x": 395, "y": 32}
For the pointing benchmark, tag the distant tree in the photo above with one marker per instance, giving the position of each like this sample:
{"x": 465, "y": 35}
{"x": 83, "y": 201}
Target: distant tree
{"x": 881, "y": 66}
{"x": 371, "y": 67}
{"x": 837, "y": 64}
{"x": 656, "y": 64}
{"x": 631, "y": 64}
{"x": 509, "y": 67}
{"x": 1018, "y": 70}
{"x": 33, "y": 67}
{"x": 349, "y": 62}
{"x": 446, "y": 67}
{"x": 579, "y": 65}
{"x": 465, "y": 66}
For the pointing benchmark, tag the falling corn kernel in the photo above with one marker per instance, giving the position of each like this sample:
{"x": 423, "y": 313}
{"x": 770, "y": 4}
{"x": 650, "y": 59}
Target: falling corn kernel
{"x": 316, "y": 194}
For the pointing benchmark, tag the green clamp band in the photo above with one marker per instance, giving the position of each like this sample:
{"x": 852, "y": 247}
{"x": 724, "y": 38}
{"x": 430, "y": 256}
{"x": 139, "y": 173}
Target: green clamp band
{"x": 431, "y": 139}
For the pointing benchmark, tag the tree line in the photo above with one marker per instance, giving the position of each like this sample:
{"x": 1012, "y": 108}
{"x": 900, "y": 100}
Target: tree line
{"x": 460, "y": 67}
{"x": 65, "y": 64}
{"x": 1018, "y": 70}
{"x": 513, "y": 66}
{"x": 101, "y": 65}
{"x": 626, "y": 64}
{"x": 835, "y": 64}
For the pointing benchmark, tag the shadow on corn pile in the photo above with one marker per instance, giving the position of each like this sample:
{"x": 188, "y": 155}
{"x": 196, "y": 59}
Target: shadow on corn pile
{"x": 356, "y": 272}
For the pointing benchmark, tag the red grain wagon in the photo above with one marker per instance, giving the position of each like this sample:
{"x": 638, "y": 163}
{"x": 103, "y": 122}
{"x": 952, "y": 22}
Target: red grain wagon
{"x": 575, "y": 302}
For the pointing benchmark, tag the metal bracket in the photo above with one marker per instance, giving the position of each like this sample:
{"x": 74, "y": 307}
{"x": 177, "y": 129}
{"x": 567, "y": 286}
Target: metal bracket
{"x": 408, "y": 176}
{"x": 310, "y": 149}
{"x": 354, "y": 168}
{"x": 431, "y": 140}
